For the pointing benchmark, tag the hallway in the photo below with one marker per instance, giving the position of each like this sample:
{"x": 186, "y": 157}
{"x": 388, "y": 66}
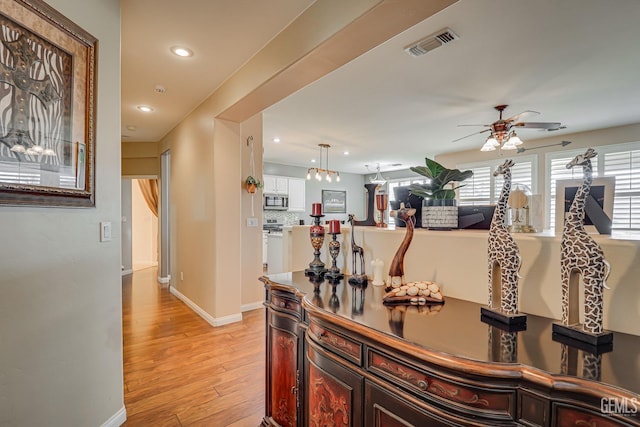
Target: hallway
{"x": 181, "y": 371}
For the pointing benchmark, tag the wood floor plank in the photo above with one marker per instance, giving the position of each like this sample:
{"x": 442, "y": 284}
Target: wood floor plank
{"x": 179, "y": 371}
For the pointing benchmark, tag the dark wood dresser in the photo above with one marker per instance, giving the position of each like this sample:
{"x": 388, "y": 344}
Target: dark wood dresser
{"x": 336, "y": 356}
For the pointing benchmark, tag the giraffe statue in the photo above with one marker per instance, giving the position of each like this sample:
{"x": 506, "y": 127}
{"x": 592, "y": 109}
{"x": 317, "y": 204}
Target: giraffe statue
{"x": 396, "y": 270}
{"x": 580, "y": 255}
{"x": 591, "y": 363}
{"x": 504, "y": 256}
{"x": 356, "y": 251}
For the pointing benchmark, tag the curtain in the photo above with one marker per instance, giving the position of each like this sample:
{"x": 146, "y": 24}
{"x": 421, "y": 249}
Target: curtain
{"x": 149, "y": 188}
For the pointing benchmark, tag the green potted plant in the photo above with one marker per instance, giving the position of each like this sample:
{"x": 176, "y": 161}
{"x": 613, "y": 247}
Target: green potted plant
{"x": 439, "y": 207}
{"x": 252, "y": 184}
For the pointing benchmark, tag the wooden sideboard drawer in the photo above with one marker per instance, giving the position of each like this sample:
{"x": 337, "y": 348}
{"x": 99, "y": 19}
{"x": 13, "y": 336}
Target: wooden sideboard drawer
{"x": 282, "y": 303}
{"x": 533, "y": 409}
{"x": 337, "y": 343}
{"x": 497, "y": 404}
{"x": 570, "y": 416}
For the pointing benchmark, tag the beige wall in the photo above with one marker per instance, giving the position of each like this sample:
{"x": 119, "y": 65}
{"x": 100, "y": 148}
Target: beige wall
{"x": 60, "y": 309}
{"x": 144, "y": 230}
{"x": 252, "y": 291}
{"x": 208, "y": 201}
{"x": 140, "y": 158}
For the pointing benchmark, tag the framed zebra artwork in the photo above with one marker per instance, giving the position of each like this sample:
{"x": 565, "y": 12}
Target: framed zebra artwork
{"x": 47, "y": 107}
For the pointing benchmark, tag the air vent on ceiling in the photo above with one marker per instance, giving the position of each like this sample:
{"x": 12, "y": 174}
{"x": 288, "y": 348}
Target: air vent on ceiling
{"x": 431, "y": 42}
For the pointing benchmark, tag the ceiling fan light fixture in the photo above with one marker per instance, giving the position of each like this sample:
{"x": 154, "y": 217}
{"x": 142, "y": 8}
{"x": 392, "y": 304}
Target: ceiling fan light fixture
{"x": 514, "y": 139}
{"x": 508, "y": 145}
{"x": 493, "y": 141}
{"x": 488, "y": 147}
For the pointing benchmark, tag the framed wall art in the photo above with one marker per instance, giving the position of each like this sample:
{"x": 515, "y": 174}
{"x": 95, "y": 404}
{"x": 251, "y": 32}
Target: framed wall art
{"x": 334, "y": 201}
{"x": 47, "y": 107}
{"x": 598, "y": 206}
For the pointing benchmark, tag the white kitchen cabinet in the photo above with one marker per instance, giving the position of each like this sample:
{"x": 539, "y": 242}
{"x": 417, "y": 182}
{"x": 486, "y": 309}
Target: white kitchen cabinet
{"x": 274, "y": 253}
{"x": 297, "y": 194}
{"x": 276, "y": 185}
{"x": 265, "y": 246}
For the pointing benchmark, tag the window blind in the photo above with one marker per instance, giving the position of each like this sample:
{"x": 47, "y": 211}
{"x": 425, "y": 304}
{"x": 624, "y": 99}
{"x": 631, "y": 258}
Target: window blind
{"x": 625, "y": 166}
{"x": 477, "y": 189}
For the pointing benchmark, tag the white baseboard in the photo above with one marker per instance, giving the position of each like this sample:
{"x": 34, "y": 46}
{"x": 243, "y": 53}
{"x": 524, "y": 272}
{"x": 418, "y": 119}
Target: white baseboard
{"x": 164, "y": 280}
{"x": 116, "y": 419}
{"x": 127, "y": 272}
{"x": 213, "y": 321}
{"x": 252, "y": 306}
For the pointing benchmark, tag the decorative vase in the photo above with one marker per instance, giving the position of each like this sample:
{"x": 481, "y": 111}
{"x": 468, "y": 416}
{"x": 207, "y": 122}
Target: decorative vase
{"x": 440, "y": 214}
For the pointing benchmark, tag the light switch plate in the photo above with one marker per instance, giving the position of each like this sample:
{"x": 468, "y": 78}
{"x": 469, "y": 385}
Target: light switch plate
{"x": 252, "y": 222}
{"x": 105, "y": 231}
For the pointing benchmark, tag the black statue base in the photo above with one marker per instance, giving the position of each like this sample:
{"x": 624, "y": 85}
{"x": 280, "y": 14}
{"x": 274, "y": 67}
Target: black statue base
{"x": 578, "y": 335}
{"x": 334, "y": 276}
{"x": 315, "y": 272}
{"x": 516, "y": 327}
{"x": 512, "y": 322}
{"x": 358, "y": 280}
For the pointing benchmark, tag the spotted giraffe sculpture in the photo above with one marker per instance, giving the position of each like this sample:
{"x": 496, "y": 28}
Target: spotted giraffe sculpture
{"x": 580, "y": 255}
{"x": 504, "y": 256}
{"x": 591, "y": 363}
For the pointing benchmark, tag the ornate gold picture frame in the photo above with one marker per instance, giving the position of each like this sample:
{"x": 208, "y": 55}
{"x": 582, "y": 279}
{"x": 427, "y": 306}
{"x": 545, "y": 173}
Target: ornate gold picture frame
{"x": 47, "y": 107}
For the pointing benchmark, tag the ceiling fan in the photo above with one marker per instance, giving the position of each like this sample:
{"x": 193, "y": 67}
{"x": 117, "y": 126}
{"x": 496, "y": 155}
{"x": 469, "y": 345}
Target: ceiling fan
{"x": 503, "y": 134}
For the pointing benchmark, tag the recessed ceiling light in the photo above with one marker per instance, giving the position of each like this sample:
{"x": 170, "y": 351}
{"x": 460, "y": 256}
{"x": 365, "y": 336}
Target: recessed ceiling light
{"x": 276, "y": 139}
{"x": 145, "y": 108}
{"x": 346, "y": 153}
{"x": 132, "y": 128}
{"x": 313, "y": 160}
{"x": 182, "y": 51}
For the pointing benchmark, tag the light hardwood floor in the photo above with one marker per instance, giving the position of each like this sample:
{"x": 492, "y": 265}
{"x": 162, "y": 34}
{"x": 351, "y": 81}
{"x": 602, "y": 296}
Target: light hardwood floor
{"x": 181, "y": 371}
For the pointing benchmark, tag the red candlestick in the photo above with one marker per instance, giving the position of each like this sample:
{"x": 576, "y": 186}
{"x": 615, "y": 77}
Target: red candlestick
{"x": 334, "y": 226}
{"x": 316, "y": 209}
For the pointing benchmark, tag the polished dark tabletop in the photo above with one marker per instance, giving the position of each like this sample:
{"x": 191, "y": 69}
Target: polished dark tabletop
{"x": 455, "y": 328}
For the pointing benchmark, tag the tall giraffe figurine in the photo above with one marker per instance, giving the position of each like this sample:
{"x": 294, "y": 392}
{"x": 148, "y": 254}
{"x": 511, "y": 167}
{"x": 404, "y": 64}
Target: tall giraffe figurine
{"x": 504, "y": 256}
{"x": 396, "y": 270}
{"x": 356, "y": 252}
{"x": 580, "y": 255}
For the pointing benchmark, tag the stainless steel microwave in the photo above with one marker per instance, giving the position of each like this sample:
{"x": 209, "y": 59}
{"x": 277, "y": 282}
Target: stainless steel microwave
{"x": 276, "y": 202}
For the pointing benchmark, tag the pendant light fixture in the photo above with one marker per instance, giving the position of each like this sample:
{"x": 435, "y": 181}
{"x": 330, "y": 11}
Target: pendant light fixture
{"x": 378, "y": 179}
{"x": 319, "y": 172}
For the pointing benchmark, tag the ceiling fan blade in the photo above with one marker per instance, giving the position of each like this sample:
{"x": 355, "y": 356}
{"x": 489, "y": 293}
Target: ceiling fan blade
{"x": 476, "y": 125}
{"x": 519, "y": 116}
{"x": 475, "y": 133}
{"x": 539, "y": 125}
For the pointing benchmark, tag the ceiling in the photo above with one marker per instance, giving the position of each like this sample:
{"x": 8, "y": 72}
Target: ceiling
{"x": 574, "y": 61}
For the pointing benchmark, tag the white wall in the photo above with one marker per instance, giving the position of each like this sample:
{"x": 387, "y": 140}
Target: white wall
{"x": 60, "y": 304}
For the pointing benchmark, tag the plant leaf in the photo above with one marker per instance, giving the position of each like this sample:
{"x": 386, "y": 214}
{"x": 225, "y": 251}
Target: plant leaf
{"x": 434, "y": 167}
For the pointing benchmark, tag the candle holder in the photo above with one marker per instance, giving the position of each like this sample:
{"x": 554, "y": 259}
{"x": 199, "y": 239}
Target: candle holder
{"x": 334, "y": 301}
{"x": 381, "y": 203}
{"x": 334, "y": 272}
{"x": 316, "y": 233}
